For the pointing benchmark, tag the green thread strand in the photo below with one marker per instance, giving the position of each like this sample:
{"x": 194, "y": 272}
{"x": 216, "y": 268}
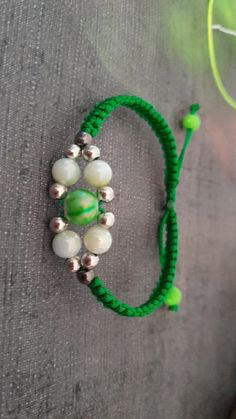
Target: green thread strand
{"x": 168, "y": 250}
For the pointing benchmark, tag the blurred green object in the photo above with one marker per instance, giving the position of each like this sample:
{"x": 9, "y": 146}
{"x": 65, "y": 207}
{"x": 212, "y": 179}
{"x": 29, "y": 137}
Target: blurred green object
{"x": 211, "y": 46}
{"x": 189, "y": 40}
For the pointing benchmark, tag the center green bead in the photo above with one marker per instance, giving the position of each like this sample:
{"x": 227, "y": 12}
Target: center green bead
{"x": 81, "y": 207}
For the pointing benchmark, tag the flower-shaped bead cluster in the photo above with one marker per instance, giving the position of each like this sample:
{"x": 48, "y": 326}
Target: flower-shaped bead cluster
{"x": 82, "y": 207}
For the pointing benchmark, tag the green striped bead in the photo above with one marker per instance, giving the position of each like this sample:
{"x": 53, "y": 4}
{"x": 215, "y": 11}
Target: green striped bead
{"x": 81, "y": 207}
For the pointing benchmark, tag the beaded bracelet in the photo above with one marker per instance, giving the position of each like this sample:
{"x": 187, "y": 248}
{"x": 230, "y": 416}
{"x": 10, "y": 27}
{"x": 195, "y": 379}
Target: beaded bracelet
{"x": 81, "y": 206}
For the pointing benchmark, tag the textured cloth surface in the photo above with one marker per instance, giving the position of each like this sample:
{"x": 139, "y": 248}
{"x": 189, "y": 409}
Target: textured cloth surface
{"x": 63, "y": 356}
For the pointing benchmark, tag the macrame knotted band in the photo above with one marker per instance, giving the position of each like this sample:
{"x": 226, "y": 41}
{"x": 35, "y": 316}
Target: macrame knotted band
{"x": 168, "y": 248}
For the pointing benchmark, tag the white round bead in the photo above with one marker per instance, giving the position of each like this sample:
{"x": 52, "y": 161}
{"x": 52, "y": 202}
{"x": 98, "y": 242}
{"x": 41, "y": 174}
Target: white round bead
{"x": 66, "y": 171}
{"x": 97, "y": 173}
{"x": 66, "y": 244}
{"x": 97, "y": 240}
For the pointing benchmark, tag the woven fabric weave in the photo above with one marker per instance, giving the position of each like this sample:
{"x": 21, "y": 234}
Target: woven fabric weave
{"x": 62, "y": 355}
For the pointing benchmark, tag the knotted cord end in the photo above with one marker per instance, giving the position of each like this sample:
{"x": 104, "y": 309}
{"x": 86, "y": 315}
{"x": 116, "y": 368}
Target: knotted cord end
{"x": 191, "y": 122}
{"x": 194, "y": 108}
{"x": 173, "y": 308}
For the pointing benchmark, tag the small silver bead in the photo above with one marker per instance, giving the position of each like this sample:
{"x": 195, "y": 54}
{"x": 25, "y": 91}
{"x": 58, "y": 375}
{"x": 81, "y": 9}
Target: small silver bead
{"x": 57, "y": 191}
{"x": 105, "y": 193}
{"x": 106, "y": 220}
{"x": 73, "y": 152}
{"x": 91, "y": 152}
{"x": 73, "y": 264}
{"x": 85, "y": 277}
{"x": 83, "y": 138}
{"x": 89, "y": 260}
{"x": 58, "y": 224}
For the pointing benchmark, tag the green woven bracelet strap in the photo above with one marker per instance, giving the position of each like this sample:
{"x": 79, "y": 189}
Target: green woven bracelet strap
{"x": 164, "y": 291}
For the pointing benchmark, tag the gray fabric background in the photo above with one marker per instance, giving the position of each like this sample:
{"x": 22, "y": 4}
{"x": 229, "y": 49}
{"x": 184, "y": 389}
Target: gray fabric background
{"x": 62, "y": 355}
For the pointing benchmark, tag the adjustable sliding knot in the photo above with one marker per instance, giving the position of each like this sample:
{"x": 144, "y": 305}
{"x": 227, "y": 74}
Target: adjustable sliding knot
{"x": 170, "y": 204}
{"x": 164, "y": 292}
{"x": 171, "y": 197}
{"x": 194, "y": 108}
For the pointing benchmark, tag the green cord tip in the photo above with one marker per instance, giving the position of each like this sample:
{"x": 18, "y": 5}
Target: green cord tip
{"x": 173, "y": 308}
{"x": 194, "y": 108}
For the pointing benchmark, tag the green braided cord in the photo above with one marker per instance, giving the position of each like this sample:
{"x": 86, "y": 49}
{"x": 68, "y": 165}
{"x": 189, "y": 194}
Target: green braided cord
{"x": 174, "y": 308}
{"x": 101, "y": 209}
{"x": 168, "y": 251}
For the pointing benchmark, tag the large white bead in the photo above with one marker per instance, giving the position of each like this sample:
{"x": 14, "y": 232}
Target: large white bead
{"x": 66, "y": 244}
{"x": 66, "y": 171}
{"x": 98, "y": 173}
{"x": 97, "y": 240}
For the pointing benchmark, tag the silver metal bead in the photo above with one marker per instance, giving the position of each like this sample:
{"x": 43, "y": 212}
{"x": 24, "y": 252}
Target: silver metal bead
{"x": 106, "y": 220}
{"x": 85, "y": 277}
{"x": 73, "y": 152}
{"x": 58, "y": 224}
{"x": 73, "y": 264}
{"x": 105, "y": 194}
{"x": 57, "y": 191}
{"x": 89, "y": 260}
{"x": 83, "y": 138}
{"x": 91, "y": 152}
